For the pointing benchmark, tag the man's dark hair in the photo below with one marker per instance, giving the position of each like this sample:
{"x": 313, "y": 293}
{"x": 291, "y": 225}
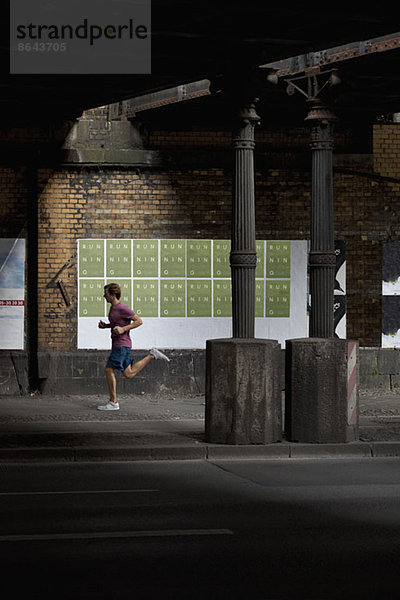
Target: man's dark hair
{"x": 114, "y": 289}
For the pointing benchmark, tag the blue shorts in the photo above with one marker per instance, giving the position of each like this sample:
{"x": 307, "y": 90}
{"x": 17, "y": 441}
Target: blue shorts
{"x": 120, "y": 358}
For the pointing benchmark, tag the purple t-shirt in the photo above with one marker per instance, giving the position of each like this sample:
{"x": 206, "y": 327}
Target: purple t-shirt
{"x": 120, "y": 315}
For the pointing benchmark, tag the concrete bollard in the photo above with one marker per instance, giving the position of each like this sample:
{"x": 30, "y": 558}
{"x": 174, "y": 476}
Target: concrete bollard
{"x": 321, "y": 403}
{"x": 243, "y": 391}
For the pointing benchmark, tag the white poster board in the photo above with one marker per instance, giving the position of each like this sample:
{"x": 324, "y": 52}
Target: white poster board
{"x": 182, "y": 290}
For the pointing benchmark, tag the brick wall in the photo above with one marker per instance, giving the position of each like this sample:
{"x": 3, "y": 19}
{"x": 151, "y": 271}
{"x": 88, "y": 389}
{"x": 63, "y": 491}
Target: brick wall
{"x": 293, "y": 138}
{"x": 13, "y": 201}
{"x": 387, "y": 149}
{"x": 361, "y": 222}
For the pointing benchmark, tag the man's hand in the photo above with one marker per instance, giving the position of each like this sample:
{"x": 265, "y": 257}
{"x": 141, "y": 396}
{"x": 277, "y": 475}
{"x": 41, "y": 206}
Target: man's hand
{"x": 103, "y": 325}
{"x": 118, "y": 330}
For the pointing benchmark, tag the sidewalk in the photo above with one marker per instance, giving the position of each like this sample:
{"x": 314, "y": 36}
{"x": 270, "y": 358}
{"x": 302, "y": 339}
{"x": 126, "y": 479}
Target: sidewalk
{"x": 69, "y": 428}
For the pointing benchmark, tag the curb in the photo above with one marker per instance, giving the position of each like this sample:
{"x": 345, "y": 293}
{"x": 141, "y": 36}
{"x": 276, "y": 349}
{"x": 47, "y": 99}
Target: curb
{"x": 201, "y": 452}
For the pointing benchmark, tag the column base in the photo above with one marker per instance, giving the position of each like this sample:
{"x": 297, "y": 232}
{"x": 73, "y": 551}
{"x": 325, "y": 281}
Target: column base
{"x": 243, "y": 391}
{"x": 321, "y": 403}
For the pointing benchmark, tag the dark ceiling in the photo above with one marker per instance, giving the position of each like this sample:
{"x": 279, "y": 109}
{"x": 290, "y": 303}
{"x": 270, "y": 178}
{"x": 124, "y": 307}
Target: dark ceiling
{"x": 194, "y": 40}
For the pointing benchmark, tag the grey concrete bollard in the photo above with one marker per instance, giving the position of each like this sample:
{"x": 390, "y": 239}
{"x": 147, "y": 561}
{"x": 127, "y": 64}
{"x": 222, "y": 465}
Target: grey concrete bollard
{"x": 243, "y": 391}
{"x": 321, "y": 400}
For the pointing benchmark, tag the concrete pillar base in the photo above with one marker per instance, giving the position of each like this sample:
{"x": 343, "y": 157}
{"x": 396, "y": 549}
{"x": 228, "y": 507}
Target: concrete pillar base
{"x": 243, "y": 391}
{"x": 321, "y": 404}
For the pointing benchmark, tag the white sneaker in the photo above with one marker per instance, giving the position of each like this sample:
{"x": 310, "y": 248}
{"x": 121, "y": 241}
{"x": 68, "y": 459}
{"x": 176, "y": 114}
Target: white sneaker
{"x": 109, "y": 406}
{"x": 158, "y": 355}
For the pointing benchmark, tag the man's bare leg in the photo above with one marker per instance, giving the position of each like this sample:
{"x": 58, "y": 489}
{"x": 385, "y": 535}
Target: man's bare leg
{"x": 111, "y": 384}
{"x": 134, "y": 368}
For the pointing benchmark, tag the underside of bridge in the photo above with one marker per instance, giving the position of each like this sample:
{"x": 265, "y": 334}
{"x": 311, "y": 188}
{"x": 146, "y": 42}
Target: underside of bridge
{"x": 209, "y": 40}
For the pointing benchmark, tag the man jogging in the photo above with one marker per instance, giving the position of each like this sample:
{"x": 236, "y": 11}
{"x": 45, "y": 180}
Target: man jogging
{"x": 121, "y": 320}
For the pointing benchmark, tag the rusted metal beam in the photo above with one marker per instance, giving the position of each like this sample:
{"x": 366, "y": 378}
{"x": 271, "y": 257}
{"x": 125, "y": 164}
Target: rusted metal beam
{"x": 313, "y": 61}
{"x": 188, "y": 91}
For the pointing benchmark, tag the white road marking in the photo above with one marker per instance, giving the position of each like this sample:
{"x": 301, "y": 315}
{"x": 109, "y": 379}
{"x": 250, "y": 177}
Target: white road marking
{"x": 113, "y": 534}
{"x": 43, "y": 493}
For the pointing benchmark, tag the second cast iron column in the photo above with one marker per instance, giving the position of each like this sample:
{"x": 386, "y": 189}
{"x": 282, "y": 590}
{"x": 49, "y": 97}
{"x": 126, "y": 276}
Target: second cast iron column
{"x": 322, "y": 248}
{"x": 243, "y": 257}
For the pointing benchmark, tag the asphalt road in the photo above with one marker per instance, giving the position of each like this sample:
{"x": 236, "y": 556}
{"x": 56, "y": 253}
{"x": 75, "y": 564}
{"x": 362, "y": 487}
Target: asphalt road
{"x": 292, "y": 529}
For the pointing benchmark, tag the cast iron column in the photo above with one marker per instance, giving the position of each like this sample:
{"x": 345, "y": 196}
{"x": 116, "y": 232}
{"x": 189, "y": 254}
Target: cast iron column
{"x": 243, "y": 257}
{"x": 322, "y": 249}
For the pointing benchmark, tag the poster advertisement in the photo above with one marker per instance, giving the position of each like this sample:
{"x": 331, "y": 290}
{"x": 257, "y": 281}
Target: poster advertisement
{"x": 339, "y": 298}
{"x": 391, "y": 295}
{"x": 12, "y": 293}
{"x": 182, "y": 290}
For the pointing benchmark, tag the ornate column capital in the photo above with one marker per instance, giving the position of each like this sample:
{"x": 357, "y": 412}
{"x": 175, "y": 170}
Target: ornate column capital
{"x": 245, "y": 121}
{"x": 322, "y": 121}
{"x": 247, "y": 113}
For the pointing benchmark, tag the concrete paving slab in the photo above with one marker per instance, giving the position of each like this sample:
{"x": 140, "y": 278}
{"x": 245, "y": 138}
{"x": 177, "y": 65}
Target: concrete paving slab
{"x": 154, "y": 426}
{"x": 84, "y": 408}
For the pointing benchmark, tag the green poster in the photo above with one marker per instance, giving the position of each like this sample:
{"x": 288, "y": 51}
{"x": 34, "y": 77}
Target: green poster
{"x": 259, "y": 298}
{"x": 199, "y": 298}
{"x": 126, "y": 292}
{"x": 152, "y": 274}
{"x": 199, "y": 258}
{"x": 221, "y": 251}
{"x": 91, "y": 300}
{"x": 118, "y": 258}
{"x": 173, "y": 297}
{"x": 145, "y": 297}
{"x": 173, "y": 255}
{"x": 278, "y": 259}
{"x": 278, "y": 299}
{"x": 222, "y": 298}
{"x": 91, "y": 258}
{"x": 260, "y": 258}
{"x": 145, "y": 258}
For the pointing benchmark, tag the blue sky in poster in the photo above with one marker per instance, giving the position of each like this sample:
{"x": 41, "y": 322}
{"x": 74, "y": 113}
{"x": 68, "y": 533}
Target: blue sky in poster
{"x": 12, "y": 263}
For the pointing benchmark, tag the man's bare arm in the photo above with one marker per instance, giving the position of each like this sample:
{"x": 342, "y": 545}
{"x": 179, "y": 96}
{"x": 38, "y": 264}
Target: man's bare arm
{"x": 136, "y": 322}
